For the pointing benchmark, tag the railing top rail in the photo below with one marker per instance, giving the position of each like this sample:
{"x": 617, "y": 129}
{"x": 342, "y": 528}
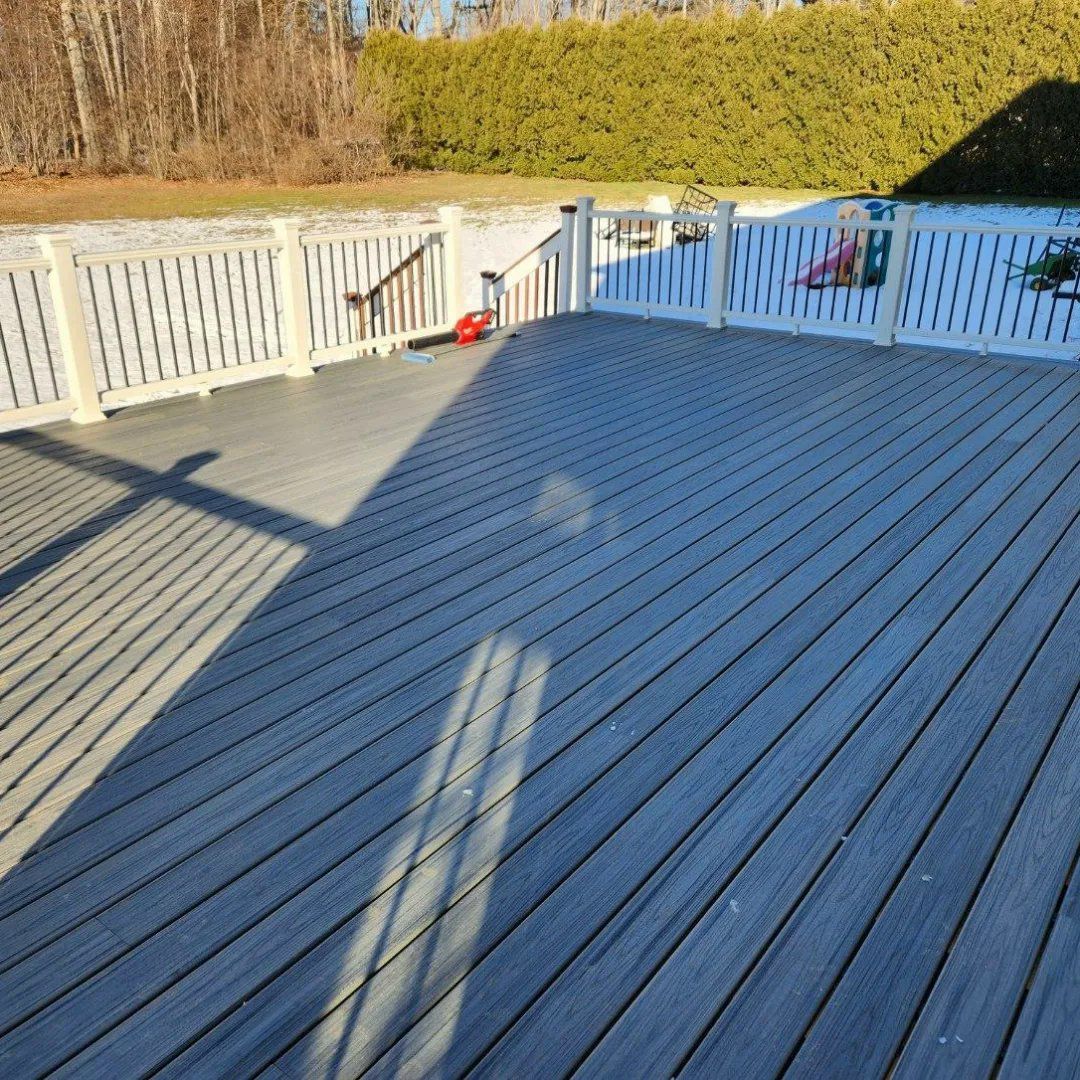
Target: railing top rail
{"x": 1049, "y": 231}
{"x": 428, "y": 227}
{"x": 815, "y": 223}
{"x": 16, "y": 266}
{"x": 651, "y": 215}
{"x": 106, "y": 258}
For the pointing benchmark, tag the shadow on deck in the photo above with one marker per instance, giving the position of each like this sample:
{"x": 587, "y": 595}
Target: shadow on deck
{"x": 624, "y": 697}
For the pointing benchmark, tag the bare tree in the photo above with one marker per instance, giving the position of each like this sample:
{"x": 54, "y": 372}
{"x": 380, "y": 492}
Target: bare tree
{"x": 220, "y": 88}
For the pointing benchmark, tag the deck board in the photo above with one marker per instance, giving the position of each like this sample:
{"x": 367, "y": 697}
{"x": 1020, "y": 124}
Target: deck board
{"x": 508, "y": 713}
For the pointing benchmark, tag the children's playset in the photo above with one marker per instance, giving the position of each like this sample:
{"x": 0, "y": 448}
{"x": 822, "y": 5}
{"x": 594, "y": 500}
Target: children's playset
{"x": 858, "y": 256}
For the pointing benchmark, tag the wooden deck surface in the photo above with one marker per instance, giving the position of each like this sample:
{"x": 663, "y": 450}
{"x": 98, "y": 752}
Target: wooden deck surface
{"x": 624, "y": 698}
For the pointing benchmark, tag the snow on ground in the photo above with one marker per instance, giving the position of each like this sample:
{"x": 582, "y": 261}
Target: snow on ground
{"x": 494, "y": 235}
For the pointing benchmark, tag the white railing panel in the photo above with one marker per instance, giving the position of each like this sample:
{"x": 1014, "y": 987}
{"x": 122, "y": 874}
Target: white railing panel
{"x": 650, "y": 262}
{"x": 110, "y": 328}
{"x": 1009, "y": 287}
{"x": 33, "y": 379}
{"x": 1016, "y": 288}
{"x": 158, "y": 315}
{"x": 538, "y": 284}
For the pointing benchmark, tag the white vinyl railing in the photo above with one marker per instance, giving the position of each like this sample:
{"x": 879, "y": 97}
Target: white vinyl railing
{"x": 539, "y": 283}
{"x": 1013, "y": 288}
{"x": 33, "y": 379}
{"x": 82, "y": 333}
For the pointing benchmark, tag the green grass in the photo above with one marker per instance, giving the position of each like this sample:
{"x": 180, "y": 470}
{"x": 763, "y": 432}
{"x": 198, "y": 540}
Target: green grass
{"x": 50, "y": 201}
{"x": 69, "y": 199}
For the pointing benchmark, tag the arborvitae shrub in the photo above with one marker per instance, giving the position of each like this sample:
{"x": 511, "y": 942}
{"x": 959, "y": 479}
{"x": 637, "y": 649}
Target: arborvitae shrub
{"x": 922, "y": 95}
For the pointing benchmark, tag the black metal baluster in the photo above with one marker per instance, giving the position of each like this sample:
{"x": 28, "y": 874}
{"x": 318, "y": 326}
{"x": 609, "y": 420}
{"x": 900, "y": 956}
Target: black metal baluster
{"x": 339, "y": 297}
{"x": 607, "y": 257}
{"x": 658, "y": 228}
{"x": 270, "y": 264}
{"x": 333, "y": 289}
{"x": 45, "y": 335}
{"x": 736, "y": 231}
{"x": 682, "y": 273}
{"x": 955, "y": 290}
{"x": 798, "y": 266}
{"x": 217, "y": 310}
{"x": 941, "y": 282}
{"x": 153, "y": 321}
{"x": 617, "y": 270}
{"x": 637, "y": 257}
{"x": 399, "y": 277}
{"x": 264, "y": 337}
{"x": 408, "y": 275}
{"x": 97, "y": 324}
{"x": 184, "y": 307}
{"x": 25, "y": 342}
{"x": 693, "y": 272}
{"x": 746, "y": 266}
{"x": 1068, "y": 318}
{"x": 1023, "y": 285}
{"x": 135, "y": 323}
{"x": 247, "y": 306}
{"x": 1066, "y": 251}
{"x": 202, "y": 312}
{"x": 1004, "y": 287}
{"x": 626, "y": 261}
{"x": 877, "y": 296}
{"x": 851, "y": 277}
{"x": 168, "y": 316}
{"x": 813, "y": 247}
{"x": 783, "y": 272}
{"x": 116, "y": 323}
{"x": 772, "y": 270}
{"x": 359, "y": 292}
{"x": 974, "y": 278}
{"x": 366, "y": 296}
{"x": 926, "y": 282}
{"x": 7, "y": 368}
{"x": 310, "y": 292}
{"x": 989, "y": 283}
{"x": 851, "y": 286}
{"x": 322, "y": 298}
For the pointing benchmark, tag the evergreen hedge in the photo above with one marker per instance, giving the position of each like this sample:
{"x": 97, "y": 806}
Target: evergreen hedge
{"x": 922, "y": 95}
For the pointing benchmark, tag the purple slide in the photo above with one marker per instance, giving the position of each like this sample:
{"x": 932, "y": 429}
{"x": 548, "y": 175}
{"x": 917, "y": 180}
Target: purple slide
{"x": 813, "y": 272}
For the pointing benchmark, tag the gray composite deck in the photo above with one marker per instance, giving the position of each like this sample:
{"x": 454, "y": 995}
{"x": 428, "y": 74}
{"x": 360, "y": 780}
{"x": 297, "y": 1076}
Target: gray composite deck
{"x": 625, "y": 697}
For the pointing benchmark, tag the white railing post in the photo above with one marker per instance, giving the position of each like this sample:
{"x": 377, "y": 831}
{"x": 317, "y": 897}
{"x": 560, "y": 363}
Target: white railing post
{"x": 720, "y": 282}
{"x": 294, "y": 299}
{"x": 71, "y": 327}
{"x": 565, "y": 296}
{"x": 583, "y": 252}
{"x": 895, "y": 274}
{"x": 450, "y": 216}
{"x": 486, "y": 278}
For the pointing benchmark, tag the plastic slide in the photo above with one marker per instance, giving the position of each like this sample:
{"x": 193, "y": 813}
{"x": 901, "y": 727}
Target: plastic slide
{"x": 813, "y": 273}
